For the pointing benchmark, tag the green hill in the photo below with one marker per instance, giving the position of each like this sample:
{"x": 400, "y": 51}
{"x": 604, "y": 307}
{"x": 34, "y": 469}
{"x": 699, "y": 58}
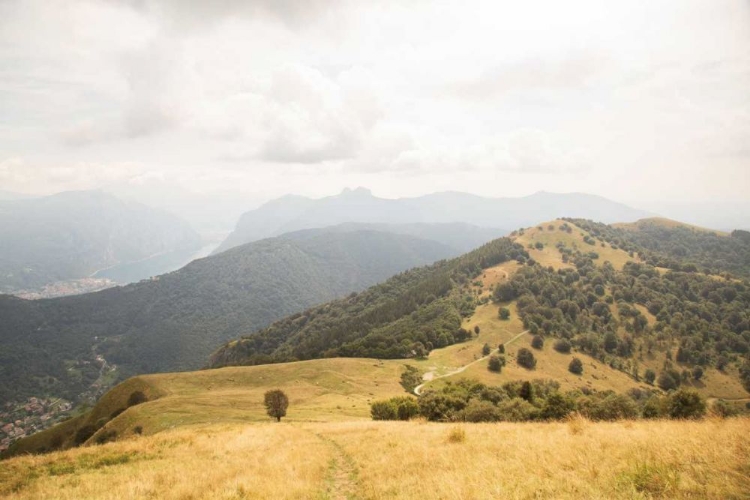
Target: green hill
{"x": 74, "y": 347}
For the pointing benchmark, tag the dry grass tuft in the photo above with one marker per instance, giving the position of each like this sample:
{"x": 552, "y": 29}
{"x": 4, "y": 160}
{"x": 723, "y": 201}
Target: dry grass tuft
{"x": 577, "y": 423}
{"x": 457, "y": 435}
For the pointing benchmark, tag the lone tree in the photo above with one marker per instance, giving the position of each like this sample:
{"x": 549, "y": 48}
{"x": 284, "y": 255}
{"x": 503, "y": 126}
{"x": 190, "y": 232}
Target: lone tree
{"x": 276, "y": 404}
{"x": 526, "y": 358}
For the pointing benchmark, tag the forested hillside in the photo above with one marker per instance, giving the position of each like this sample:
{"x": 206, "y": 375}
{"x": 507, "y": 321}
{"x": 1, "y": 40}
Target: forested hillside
{"x": 679, "y": 247}
{"x": 660, "y": 325}
{"x": 406, "y": 316}
{"x": 73, "y": 234}
{"x": 78, "y": 345}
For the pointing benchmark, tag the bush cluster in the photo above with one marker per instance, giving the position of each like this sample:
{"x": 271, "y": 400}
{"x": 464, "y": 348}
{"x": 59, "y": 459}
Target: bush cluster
{"x": 472, "y": 401}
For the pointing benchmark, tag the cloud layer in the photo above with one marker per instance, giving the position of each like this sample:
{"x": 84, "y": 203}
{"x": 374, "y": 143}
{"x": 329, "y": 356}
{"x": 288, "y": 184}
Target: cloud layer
{"x": 266, "y": 97}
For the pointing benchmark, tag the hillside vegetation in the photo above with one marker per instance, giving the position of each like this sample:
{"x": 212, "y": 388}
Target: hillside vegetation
{"x": 74, "y": 347}
{"x": 407, "y": 316}
{"x": 72, "y": 235}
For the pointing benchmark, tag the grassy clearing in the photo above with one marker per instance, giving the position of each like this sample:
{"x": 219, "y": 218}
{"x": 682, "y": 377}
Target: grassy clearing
{"x": 551, "y": 256}
{"x": 378, "y": 460}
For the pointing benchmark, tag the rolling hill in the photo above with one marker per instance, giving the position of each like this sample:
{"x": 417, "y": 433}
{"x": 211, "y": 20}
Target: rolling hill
{"x": 74, "y": 347}
{"x": 73, "y": 234}
{"x": 566, "y": 281}
{"x": 291, "y": 213}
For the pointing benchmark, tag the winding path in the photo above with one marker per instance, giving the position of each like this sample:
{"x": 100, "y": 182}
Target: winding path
{"x": 429, "y": 376}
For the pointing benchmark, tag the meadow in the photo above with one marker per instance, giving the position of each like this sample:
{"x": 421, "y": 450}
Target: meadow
{"x": 378, "y": 460}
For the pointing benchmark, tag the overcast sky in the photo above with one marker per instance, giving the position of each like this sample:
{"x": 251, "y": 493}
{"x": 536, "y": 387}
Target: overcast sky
{"x": 634, "y": 100}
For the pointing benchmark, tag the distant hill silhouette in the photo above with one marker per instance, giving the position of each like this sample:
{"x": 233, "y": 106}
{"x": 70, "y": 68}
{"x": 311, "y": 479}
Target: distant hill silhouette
{"x": 291, "y": 213}
{"x": 71, "y": 235}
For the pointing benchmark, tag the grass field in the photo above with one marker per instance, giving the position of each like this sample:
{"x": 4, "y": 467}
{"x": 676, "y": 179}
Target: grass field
{"x": 380, "y": 460}
{"x": 549, "y": 255}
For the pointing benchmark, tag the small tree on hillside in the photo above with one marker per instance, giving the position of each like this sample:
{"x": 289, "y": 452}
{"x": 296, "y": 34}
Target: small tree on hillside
{"x": 537, "y": 342}
{"x": 496, "y": 363}
{"x": 276, "y": 404}
{"x": 575, "y": 366}
{"x": 526, "y": 358}
{"x": 486, "y": 349}
{"x": 504, "y": 313}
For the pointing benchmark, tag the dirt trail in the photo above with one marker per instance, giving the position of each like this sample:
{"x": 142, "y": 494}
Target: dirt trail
{"x": 430, "y": 376}
{"x": 341, "y": 480}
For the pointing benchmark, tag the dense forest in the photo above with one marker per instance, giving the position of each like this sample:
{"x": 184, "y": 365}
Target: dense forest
{"x": 69, "y": 346}
{"x": 407, "y": 316}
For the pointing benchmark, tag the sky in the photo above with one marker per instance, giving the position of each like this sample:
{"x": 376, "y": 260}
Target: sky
{"x": 644, "y": 102}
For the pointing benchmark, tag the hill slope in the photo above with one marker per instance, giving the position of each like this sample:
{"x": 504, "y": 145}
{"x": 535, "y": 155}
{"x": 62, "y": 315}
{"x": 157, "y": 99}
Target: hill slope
{"x": 63, "y": 346}
{"x": 295, "y": 212}
{"x": 73, "y": 234}
{"x": 603, "y": 302}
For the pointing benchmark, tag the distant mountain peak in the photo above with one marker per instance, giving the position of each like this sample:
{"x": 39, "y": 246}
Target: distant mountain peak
{"x": 357, "y": 192}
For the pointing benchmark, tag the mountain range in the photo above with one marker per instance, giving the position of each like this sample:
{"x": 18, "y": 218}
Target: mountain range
{"x": 291, "y": 213}
{"x": 75, "y": 346}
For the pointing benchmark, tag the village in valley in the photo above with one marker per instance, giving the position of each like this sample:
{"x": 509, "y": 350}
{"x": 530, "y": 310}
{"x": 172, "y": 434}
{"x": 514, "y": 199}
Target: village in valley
{"x": 18, "y": 420}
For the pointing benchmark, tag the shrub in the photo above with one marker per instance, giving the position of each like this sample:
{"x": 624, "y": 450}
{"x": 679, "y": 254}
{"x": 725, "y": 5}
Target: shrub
{"x": 457, "y": 435}
{"x": 138, "y": 429}
{"x": 610, "y": 407}
{"x": 399, "y": 408}
{"x": 136, "y": 398}
{"x": 476, "y": 329}
{"x": 486, "y": 349}
{"x": 557, "y": 407}
{"x": 410, "y": 378}
{"x": 83, "y": 434}
{"x": 116, "y": 413}
{"x": 106, "y": 437}
{"x": 575, "y": 366}
{"x": 504, "y": 313}
{"x": 481, "y": 411}
{"x": 383, "y": 410}
{"x": 537, "y": 342}
{"x": 517, "y": 410}
{"x": 526, "y": 358}
{"x": 667, "y": 381}
{"x": 501, "y": 349}
{"x": 562, "y": 346}
{"x": 650, "y": 376}
{"x": 685, "y": 404}
{"x": 722, "y": 409}
{"x": 496, "y": 363}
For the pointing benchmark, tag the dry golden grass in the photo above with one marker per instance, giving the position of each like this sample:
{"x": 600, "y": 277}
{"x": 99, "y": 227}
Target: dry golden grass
{"x": 551, "y": 256}
{"x": 214, "y": 462}
{"x": 598, "y": 460}
{"x": 377, "y": 460}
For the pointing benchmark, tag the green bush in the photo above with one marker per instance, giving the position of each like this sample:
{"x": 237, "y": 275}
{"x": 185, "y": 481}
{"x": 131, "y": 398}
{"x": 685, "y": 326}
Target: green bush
{"x": 537, "y": 342}
{"x": 575, "y": 366}
{"x": 562, "y": 345}
{"x": 83, "y": 434}
{"x": 504, "y": 313}
{"x": 685, "y": 404}
{"x": 525, "y": 358}
{"x": 136, "y": 398}
{"x": 399, "y": 408}
{"x": 496, "y": 363}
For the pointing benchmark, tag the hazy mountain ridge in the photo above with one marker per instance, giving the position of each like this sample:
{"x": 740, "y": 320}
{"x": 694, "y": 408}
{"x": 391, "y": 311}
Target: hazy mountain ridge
{"x": 292, "y": 213}
{"x": 174, "y": 321}
{"x": 71, "y": 235}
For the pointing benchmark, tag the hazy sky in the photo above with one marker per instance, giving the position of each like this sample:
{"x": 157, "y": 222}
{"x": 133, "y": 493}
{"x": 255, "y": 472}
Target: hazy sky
{"x": 634, "y": 100}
